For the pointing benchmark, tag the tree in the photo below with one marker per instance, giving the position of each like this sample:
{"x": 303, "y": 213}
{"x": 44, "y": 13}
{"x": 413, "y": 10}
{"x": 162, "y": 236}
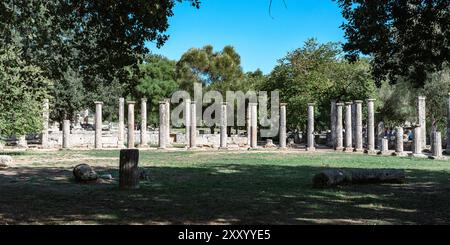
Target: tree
{"x": 96, "y": 40}
{"x": 316, "y": 74}
{"x": 155, "y": 80}
{"x": 408, "y": 39}
{"x": 219, "y": 71}
{"x": 22, "y": 90}
{"x": 398, "y": 101}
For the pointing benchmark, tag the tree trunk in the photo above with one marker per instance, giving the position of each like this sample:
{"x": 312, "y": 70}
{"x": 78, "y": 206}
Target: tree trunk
{"x": 128, "y": 169}
{"x": 334, "y": 177}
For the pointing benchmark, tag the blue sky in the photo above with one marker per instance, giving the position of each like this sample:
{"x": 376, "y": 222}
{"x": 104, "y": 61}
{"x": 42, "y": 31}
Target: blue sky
{"x": 246, "y": 24}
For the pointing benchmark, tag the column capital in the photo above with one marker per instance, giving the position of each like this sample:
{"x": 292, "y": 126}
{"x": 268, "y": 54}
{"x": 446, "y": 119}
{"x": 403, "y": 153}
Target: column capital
{"x": 131, "y": 102}
{"x": 371, "y": 100}
{"x": 422, "y": 97}
{"x": 253, "y": 104}
{"x": 224, "y": 103}
{"x": 340, "y": 104}
{"x": 311, "y": 104}
{"x": 144, "y": 100}
{"x": 283, "y": 104}
{"x": 348, "y": 103}
{"x": 358, "y": 101}
{"x": 193, "y": 102}
{"x": 98, "y": 102}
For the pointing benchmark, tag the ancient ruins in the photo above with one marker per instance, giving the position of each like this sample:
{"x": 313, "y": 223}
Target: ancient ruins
{"x": 347, "y": 132}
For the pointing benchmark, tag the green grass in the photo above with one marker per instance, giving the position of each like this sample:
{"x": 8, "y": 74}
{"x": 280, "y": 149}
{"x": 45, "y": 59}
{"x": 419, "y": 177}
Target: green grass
{"x": 221, "y": 188}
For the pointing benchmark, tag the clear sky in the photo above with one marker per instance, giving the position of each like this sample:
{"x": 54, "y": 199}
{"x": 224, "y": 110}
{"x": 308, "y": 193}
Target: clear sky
{"x": 246, "y": 24}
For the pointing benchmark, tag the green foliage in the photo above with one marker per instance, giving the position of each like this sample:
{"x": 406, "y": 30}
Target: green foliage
{"x": 219, "y": 71}
{"x": 22, "y": 90}
{"x": 398, "y": 102}
{"x": 405, "y": 38}
{"x": 155, "y": 80}
{"x": 436, "y": 91}
{"x": 92, "y": 40}
{"x": 316, "y": 74}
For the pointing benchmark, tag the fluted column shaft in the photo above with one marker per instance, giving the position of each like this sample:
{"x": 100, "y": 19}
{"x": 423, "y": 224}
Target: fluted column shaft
{"x": 98, "y": 124}
{"x": 283, "y": 135}
{"x": 310, "y": 131}
{"x": 339, "y": 146}
{"x": 131, "y": 136}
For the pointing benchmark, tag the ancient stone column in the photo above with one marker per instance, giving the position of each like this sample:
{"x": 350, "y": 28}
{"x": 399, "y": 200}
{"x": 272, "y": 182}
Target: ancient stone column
{"x": 310, "y": 131}
{"x": 384, "y": 146}
{"x": 121, "y": 130}
{"x": 339, "y": 145}
{"x": 437, "y": 146}
{"x": 380, "y": 134}
{"x": 283, "y": 125}
{"x": 399, "y": 142}
{"x": 354, "y": 125}
{"x": 131, "y": 141}
{"x": 66, "y": 134}
{"x": 421, "y": 113}
{"x": 168, "y": 122}
{"x": 371, "y": 127}
{"x": 162, "y": 125}
{"x": 348, "y": 127}
{"x": 187, "y": 121}
{"x": 223, "y": 127}
{"x": 254, "y": 125}
{"x": 193, "y": 132}
{"x": 358, "y": 126}
{"x": 448, "y": 125}
{"x": 417, "y": 145}
{"x": 249, "y": 126}
{"x": 98, "y": 124}
{"x": 45, "y": 119}
{"x": 333, "y": 123}
{"x": 144, "y": 140}
{"x": 22, "y": 142}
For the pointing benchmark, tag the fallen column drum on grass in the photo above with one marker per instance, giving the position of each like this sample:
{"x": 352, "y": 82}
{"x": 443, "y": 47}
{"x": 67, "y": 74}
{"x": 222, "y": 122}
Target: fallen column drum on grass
{"x": 335, "y": 177}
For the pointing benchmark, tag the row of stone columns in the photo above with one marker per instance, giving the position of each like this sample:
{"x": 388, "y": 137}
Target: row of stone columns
{"x": 353, "y": 126}
{"x": 337, "y": 127}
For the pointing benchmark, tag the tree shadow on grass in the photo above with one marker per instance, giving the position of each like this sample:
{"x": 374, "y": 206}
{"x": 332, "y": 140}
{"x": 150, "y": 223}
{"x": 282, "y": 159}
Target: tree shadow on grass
{"x": 220, "y": 194}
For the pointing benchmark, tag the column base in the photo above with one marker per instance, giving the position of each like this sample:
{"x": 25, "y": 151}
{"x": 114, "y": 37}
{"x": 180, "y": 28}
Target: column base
{"x": 312, "y": 149}
{"x": 283, "y": 148}
{"x": 162, "y": 148}
{"x": 253, "y": 149}
{"x": 349, "y": 150}
{"x": 144, "y": 146}
{"x": 418, "y": 155}
{"x": 440, "y": 158}
{"x": 339, "y": 148}
{"x": 384, "y": 153}
{"x": 400, "y": 154}
{"x": 223, "y": 148}
{"x": 371, "y": 152}
{"x": 359, "y": 150}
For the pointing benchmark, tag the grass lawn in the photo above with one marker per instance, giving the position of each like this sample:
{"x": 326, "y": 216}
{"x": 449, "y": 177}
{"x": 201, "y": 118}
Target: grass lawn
{"x": 220, "y": 188}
